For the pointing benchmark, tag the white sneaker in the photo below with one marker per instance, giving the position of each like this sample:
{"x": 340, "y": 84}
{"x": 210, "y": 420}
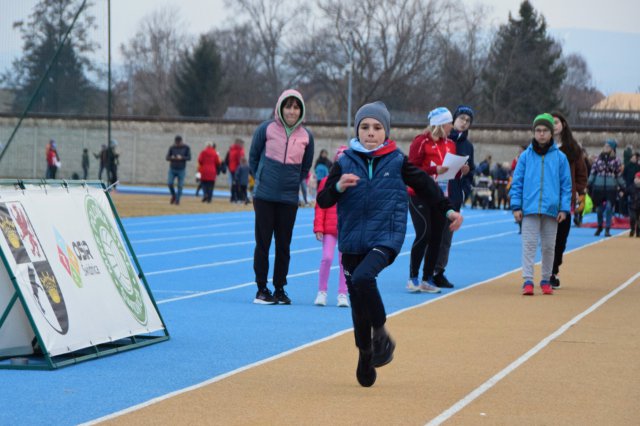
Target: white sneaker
{"x": 413, "y": 286}
{"x": 343, "y": 301}
{"x": 321, "y": 299}
{"x": 427, "y": 287}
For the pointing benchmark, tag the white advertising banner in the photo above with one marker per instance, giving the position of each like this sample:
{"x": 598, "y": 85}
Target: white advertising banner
{"x": 64, "y": 247}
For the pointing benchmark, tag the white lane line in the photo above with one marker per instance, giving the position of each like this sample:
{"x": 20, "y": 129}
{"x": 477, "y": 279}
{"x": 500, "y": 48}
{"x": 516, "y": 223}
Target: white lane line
{"x": 220, "y": 234}
{"x": 210, "y": 217}
{"x": 226, "y": 262}
{"x": 187, "y": 250}
{"x": 235, "y": 287}
{"x": 252, "y": 241}
{"x": 301, "y": 274}
{"x": 294, "y": 350}
{"x": 186, "y": 228}
{"x": 212, "y": 380}
{"x": 458, "y": 406}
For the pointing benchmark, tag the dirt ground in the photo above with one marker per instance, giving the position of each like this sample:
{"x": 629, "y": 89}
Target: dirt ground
{"x": 132, "y": 205}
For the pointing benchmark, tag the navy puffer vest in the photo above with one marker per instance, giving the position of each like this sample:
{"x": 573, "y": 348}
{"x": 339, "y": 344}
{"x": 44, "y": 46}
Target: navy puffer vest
{"x": 374, "y": 212}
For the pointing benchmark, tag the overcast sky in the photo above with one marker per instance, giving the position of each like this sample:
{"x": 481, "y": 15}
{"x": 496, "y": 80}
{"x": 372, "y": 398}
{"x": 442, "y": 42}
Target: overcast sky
{"x": 613, "y": 60}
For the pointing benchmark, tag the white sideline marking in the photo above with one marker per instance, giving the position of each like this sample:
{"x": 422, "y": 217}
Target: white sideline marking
{"x": 186, "y": 228}
{"x": 212, "y": 246}
{"x": 212, "y": 380}
{"x": 294, "y": 350}
{"x": 455, "y": 408}
{"x": 246, "y": 259}
{"x": 252, "y": 241}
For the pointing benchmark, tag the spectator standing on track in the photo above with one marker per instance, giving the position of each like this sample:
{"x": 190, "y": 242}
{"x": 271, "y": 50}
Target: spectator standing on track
{"x": 53, "y": 160}
{"x": 427, "y": 152}
{"x": 634, "y": 207}
{"x": 540, "y": 199}
{"x": 113, "y": 160}
{"x": 563, "y": 137}
{"x": 178, "y": 155}
{"x": 242, "y": 175}
{"x": 500, "y": 177}
{"x": 323, "y": 165}
{"x": 374, "y": 173}
{"x": 325, "y": 227}
{"x": 232, "y": 160}
{"x": 605, "y": 181}
{"x": 281, "y": 156}
{"x": 85, "y": 163}
{"x": 208, "y": 163}
{"x": 459, "y": 188}
{"x": 102, "y": 157}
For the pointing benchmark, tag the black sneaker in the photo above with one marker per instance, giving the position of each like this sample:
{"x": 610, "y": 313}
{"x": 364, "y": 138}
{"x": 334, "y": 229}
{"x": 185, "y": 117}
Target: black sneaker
{"x": 383, "y": 351}
{"x": 555, "y": 282}
{"x": 441, "y": 281}
{"x": 264, "y": 297}
{"x": 281, "y": 297}
{"x": 366, "y": 373}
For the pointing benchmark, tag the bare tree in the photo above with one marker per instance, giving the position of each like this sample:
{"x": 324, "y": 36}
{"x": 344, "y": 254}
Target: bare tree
{"x": 150, "y": 60}
{"x": 577, "y": 91}
{"x": 391, "y": 52}
{"x": 241, "y": 69}
{"x": 463, "y": 54}
{"x": 267, "y": 23}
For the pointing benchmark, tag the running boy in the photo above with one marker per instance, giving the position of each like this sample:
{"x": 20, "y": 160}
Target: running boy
{"x": 368, "y": 183}
{"x": 540, "y": 199}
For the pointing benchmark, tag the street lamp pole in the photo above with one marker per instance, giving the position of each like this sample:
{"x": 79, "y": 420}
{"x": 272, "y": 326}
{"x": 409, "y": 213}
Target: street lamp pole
{"x": 349, "y": 91}
{"x": 350, "y": 46}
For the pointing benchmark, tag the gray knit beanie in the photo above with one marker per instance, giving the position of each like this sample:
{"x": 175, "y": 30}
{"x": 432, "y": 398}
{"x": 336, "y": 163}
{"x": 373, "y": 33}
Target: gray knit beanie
{"x": 376, "y": 110}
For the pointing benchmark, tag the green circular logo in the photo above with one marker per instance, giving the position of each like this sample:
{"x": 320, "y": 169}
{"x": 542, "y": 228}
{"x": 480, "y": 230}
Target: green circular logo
{"x": 116, "y": 259}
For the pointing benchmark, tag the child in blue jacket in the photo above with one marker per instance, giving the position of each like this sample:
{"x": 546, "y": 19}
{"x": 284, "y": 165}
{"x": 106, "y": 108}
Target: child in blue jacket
{"x": 368, "y": 182}
{"x": 540, "y": 199}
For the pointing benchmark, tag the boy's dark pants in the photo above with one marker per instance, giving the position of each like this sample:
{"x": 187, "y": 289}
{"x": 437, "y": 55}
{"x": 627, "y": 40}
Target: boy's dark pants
{"x": 367, "y": 309}
{"x": 561, "y": 243}
{"x": 273, "y": 219}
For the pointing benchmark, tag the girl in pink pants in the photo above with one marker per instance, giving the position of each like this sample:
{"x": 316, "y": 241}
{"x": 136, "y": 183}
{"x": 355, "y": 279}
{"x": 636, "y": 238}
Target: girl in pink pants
{"x": 325, "y": 226}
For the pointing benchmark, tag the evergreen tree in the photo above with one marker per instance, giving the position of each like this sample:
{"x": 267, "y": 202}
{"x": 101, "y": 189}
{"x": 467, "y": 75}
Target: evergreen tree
{"x": 66, "y": 88}
{"x": 197, "y": 80}
{"x": 524, "y": 70}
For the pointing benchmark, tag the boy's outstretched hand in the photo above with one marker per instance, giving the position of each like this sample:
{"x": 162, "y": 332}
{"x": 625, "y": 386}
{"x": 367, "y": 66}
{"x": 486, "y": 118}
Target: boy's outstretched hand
{"x": 347, "y": 180}
{"x": 456, "y": 220}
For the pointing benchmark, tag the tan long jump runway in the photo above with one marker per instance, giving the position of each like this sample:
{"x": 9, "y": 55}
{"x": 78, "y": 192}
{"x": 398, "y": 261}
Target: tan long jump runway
{"x": 588, "y": 374}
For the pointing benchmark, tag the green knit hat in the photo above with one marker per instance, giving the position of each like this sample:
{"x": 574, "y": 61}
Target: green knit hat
{"x": 545, "y": 119}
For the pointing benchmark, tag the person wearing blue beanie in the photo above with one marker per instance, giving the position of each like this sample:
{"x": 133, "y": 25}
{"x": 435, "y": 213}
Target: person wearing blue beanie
{"x": 459, "y": 187}
{"x": 374, "y": 173}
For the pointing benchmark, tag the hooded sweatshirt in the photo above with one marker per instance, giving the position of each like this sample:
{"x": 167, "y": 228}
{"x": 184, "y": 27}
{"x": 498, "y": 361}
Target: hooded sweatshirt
{"x": 281, "y": 156}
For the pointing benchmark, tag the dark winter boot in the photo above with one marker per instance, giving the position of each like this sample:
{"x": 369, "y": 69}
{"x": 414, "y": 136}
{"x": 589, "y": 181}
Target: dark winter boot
{"x": 606, "y": 232}
{"x": 366, "y": 372}
{"x": 598, "y": 231}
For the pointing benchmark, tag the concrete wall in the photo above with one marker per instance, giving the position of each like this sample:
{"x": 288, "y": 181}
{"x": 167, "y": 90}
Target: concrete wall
{"x": 143, "y": 144}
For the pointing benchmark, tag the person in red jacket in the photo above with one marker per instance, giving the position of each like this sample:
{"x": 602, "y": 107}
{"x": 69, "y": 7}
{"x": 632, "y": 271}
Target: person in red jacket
{"x": 427, "y": 152}
{"x": 235, "y": 154}
{"x": 325, "y": 226}
{"x": 208, "y": 164}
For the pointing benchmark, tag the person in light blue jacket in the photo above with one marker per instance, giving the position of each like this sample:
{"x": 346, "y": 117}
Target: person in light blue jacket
{"x": 540, "y": 199}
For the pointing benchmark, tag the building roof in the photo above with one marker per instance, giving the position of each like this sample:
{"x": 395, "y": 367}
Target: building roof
{"x": 619, "y": 102}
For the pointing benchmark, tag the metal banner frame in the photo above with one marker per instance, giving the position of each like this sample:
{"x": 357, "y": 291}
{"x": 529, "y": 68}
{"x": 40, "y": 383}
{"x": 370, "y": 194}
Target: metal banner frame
{"x": 41, "y": 360}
